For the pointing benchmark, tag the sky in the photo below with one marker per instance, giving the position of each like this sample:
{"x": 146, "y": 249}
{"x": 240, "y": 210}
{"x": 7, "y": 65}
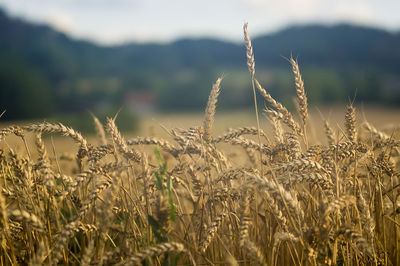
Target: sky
{"x": 111, "y": 22}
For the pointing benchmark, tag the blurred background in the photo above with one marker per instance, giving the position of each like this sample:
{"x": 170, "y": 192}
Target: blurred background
{"x": 63, "y": 59}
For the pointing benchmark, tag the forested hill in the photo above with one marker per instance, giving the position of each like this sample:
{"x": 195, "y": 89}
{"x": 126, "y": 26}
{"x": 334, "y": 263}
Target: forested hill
{"x": 314, "y": 44}
{"x": 44, "y": 71}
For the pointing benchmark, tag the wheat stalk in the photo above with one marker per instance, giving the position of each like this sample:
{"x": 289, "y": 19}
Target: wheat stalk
{"x": 251, "y": 65}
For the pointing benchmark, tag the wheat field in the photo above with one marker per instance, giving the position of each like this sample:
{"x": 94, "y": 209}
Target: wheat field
{"x": 249, "y": 196}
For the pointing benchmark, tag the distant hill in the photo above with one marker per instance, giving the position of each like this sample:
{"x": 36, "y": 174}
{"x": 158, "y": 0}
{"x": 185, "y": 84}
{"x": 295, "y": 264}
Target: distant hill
{"x": 314, "y": 44}
{"x": 333, "y": 45}
{"x": 44, "y": 71}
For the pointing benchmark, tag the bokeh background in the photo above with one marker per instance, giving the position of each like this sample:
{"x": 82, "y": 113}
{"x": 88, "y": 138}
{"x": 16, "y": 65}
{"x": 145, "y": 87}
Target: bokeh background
{"x": 63, "y": 59}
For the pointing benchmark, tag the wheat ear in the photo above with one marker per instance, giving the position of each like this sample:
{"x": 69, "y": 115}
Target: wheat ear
{"x": 301, "y": 94}
{"x": 153, "y": 251}
{"x": 329, "y": 133}
{"x": 211, "y": 231}
{"x": 286, "y": 115}
{"x": 99, "y": 130}
{"x": 350, "y": 123}
{"x": 120, "y": 142}
{"x": 210, "y": 109}
{"x": 60, "y": 128}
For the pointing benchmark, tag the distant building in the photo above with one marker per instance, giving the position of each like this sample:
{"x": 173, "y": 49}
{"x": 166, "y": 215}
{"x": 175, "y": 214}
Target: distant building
{"x": 141, "y": 101}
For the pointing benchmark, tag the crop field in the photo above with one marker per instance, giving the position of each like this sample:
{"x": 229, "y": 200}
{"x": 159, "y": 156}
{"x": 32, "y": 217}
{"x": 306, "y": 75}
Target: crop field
{"x": 250, "y": 187}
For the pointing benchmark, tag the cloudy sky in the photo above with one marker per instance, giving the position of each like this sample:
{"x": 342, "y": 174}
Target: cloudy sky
{"x": 119, "y": 21}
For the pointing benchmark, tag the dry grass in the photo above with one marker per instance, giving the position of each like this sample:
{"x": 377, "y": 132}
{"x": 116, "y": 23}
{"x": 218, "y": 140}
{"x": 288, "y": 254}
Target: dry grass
{"x": 195, "y": 197}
